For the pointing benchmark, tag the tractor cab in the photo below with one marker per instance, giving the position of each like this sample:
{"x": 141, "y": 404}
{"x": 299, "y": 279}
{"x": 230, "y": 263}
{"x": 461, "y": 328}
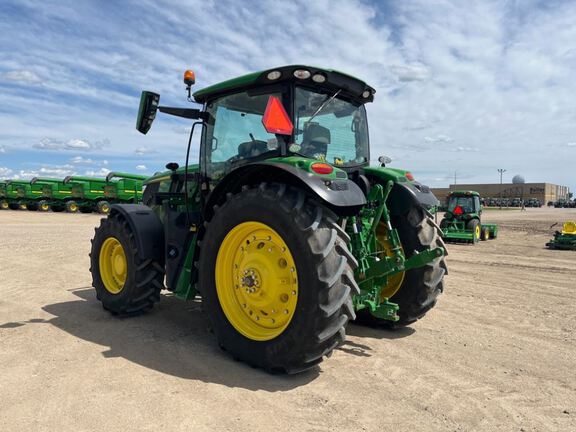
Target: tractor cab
{"x": 462, "y": 204}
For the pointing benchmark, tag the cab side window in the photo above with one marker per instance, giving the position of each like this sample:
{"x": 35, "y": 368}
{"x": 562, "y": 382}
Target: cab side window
{"x": 236, "y": 132}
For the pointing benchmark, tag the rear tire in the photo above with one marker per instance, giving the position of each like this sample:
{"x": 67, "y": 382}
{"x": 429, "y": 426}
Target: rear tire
{"x": 322, "y": 263}
{"x": 421, "y": 286}
{"x": 32, "y": 207}
{"x": 14, "y": 206}
{"x": 474, "y": 226}
{"x": 143, "y": 279}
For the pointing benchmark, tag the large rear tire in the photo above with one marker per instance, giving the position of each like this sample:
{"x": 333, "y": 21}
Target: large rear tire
{"x": 124, "y": 283}
{"x": 276, "y": 278}
{"x": 421, "y": 286}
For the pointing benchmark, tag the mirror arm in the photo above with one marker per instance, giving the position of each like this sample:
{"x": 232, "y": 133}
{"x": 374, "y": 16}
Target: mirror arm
{"x": 189, "y": 113}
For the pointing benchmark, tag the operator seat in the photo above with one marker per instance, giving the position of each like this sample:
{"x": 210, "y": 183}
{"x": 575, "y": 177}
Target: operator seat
{"x": 250, "y": 149}
{"x": 316, "y": 139}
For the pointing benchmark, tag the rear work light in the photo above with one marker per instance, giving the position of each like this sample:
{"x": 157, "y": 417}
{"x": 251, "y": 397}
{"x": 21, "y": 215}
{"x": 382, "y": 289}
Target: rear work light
{"x": 409, "y": 176}
{"x": 322, "y": 168}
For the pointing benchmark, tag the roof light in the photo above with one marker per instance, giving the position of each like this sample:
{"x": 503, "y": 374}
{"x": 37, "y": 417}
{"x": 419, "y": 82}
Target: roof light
{"x": 275, "y": 118}
{"x": 302, "y": 73}
{"x": 322, "y": 168}
{"x": 318, "y": 78}
{"x": 366, "y": 94}
{"x": 189, "y": 78}
{"x": 409, "y": 176}
{"x": 274, "y": 75}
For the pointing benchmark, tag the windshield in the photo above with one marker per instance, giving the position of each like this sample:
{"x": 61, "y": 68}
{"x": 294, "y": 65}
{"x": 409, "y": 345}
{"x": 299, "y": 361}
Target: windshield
{"x": 330, "y": 129}
{"x": 466, "y": 203}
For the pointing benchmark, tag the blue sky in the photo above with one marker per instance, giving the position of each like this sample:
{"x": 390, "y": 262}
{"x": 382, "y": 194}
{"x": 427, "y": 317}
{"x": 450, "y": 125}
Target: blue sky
{"x": 461, "y": 86}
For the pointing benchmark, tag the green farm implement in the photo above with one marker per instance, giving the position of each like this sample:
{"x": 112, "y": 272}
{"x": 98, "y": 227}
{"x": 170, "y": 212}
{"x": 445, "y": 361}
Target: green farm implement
{"x": 55, "y": 193}
{"x": 21, "y": 195}
{"x": 565, "y": 239}
{"x": 282, "y": 228}
{"x": 4, "y": 205}
{"x": 461, "y": 222}
{"x": 91, "y": 194}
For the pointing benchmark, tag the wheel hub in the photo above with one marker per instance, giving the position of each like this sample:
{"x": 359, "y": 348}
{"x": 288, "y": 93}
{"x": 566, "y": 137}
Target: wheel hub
{"x": 256, "y": 281}
{"x": 113, "y": 265}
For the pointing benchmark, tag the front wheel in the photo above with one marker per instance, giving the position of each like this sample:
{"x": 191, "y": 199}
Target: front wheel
{"x": 415, "y": 291}
{"x": 4, "y": 205}
{"x": 276, "y": 278}
{"x": 124, "y": 283}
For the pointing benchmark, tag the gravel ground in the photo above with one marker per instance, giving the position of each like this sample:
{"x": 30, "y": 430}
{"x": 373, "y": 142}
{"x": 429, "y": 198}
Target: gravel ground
{"x": 498, "y": 353}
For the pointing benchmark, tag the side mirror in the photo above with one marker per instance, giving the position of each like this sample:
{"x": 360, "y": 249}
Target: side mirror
{"x": 147, "y": 111}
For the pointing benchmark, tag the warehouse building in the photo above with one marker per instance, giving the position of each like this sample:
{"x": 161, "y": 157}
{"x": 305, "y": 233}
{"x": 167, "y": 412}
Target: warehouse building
{"x": 545, "y": 192}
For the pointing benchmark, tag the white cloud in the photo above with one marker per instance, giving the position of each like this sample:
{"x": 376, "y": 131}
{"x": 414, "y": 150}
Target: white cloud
{"x": 438, "y": 139}
{"x": 22, "y": 76}
{"x": 81, "y": 160}
{"x": 141, "y": 167}
{"x": 5, "y": 172}
{"x": 74, "y": 144}
{"x": 571, "y": 144}
{"x": 102, "y": 172}
{"x": 407, "y": 73}
{"x": 143, "y": 150}
{"x": 2, "y": 149}
{"x": 465, "y": 149}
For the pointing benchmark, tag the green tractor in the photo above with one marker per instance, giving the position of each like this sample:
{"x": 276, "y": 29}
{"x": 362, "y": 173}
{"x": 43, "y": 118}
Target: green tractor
{"x": 461, "y": 222}
{"x": 282, "y": 228}
{"x": 565, "y": 239}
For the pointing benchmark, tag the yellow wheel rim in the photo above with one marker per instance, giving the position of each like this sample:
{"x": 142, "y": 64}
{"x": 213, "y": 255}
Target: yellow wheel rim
{"x": 256, "y": 281}
{"x": 45, "y": 207}
{"x": 4, "y": 205}
{"x": 105, "y": 209}
{"x": 73, "y": 208}
{"x": 23, "y": 206}
{"x": 477, "y": 233}
{"x": 395, "y": 281}
{"x": 113, "y": 265}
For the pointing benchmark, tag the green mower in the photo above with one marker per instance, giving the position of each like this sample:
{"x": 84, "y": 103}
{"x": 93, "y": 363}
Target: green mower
{"x": 565, "y": 239}
{"x": 461, "y": 222}
{"x": 282, "y": 228}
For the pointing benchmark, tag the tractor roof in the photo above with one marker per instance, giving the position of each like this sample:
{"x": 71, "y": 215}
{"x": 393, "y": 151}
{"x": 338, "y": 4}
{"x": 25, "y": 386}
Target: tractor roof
{"x": 334, "y": 80}
{"x": 464, "y": 193}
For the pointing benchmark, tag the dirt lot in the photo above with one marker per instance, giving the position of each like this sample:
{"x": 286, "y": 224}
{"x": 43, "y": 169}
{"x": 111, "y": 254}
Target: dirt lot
{"x": 498, "y": 353}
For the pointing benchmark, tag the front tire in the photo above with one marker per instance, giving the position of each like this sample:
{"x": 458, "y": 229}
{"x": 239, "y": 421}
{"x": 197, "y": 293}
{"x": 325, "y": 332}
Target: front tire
{"x": 420, "y": 287}
{"x": 124, "y": 283}
{"x": 279, "y": 293}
